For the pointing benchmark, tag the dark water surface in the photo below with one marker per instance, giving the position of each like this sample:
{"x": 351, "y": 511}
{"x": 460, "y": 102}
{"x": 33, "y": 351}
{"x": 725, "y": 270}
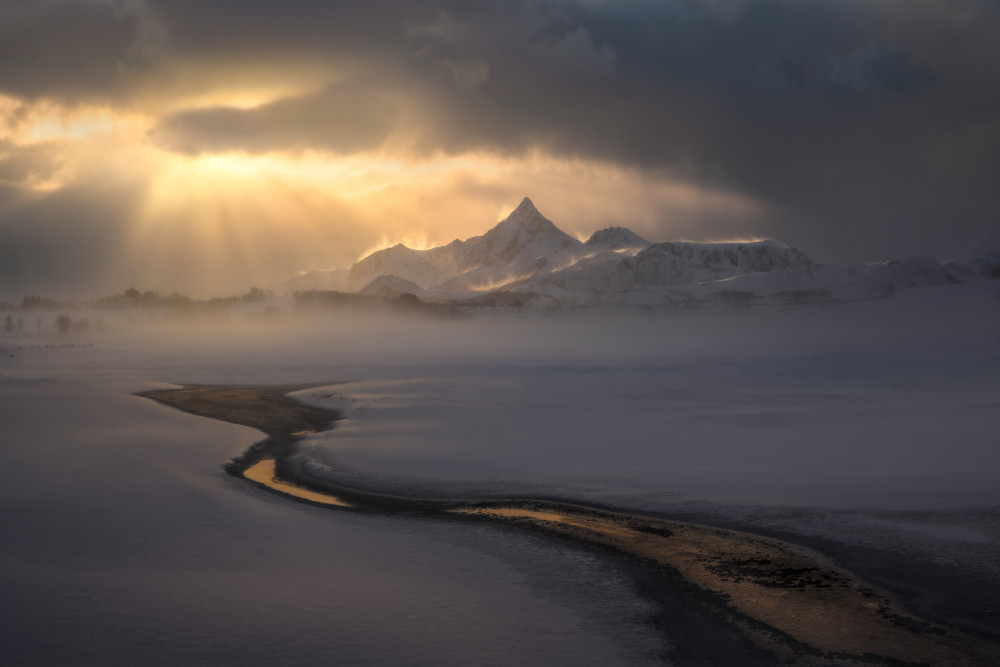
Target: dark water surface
{"x": 124, "y": 543}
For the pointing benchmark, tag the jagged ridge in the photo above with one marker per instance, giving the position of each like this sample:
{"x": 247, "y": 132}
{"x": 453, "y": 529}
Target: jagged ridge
{"x": 522, "y": 244}
{"x": 526, "y": 255}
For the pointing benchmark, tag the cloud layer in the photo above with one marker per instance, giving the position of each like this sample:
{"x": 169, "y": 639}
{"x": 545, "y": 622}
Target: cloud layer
{"x": 864, "y": 130}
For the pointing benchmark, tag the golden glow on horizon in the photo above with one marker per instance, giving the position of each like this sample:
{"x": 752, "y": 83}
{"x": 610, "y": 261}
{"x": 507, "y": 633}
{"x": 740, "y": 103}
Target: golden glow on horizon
{"x": 247, "y": 84}
{"x": 418, "y": 243}
{"x": 52, "y": 140}
{"x": 725, "y": 239}
{"x": 26, "y": 123}
{"x": 236, "y": 98}
{"x": 260, "y": 217}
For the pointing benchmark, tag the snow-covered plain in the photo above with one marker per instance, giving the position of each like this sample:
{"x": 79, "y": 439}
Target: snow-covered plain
{"x": 868, "y": 430}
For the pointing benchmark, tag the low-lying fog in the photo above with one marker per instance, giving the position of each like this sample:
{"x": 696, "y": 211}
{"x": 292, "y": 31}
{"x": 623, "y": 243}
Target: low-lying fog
{"x": 869, "y": 424}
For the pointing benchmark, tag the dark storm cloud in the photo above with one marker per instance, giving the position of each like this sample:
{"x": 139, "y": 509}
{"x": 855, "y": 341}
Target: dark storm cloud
{"x": 866, "y": 127}
{"x": 340, "y": 119}
{"x": 873, "y": 68}
{"x": 854, "y": 121}
{"x": 24, "y": 165}
{"x": 61, "y": 243}
{"x": 73, "y": 49}
{"x": 663, "y": 84}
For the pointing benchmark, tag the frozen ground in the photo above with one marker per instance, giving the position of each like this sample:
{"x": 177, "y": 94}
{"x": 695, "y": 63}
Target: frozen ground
{"x": 867, "y": 429}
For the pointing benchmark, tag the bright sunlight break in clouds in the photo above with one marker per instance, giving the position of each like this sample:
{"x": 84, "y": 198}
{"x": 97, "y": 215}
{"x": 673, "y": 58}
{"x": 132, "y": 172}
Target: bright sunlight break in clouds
{"x": 206, "y": 147}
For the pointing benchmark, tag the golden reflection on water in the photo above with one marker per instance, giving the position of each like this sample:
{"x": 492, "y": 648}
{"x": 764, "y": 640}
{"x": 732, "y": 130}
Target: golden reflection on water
{"x": 264, "y": 473}
{"x": 567, "y": 518}
{"x": 512, "y": 512}
{"x": 783, "y": 586}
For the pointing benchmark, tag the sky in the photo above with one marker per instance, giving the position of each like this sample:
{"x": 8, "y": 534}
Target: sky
{"x": 206, "y": 147}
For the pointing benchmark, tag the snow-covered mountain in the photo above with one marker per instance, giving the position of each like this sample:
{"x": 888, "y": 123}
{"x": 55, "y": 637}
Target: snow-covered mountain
{"x": 677, "y": 266}
{"x": 675, "y": 263}
{"x": 523, "y": 244}
{"x": 615, "y": 238}
{"x": 528, "y": 260}
{"x": 844, "y": 282}
{"x": 423, "y": 267}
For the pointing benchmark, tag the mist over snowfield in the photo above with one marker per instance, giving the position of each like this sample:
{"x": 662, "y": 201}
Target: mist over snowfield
{"x": 925, "y": 325}
{"x": 869, "y": 426}
{"x": 844, "y": 405}
{"x": 890, "y": 404}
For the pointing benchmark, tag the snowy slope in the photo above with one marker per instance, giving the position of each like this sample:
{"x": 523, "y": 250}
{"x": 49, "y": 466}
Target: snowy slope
{"x": 589, "y": 280}
{"x": 688, "y": 274}
{"x": 616, "y": 238}
{"x": 423, "y": 267}
{"x": 846, "y": 282}
{"x": 527, "y": 257}
{"x": 519, "y": 240}
{"x": 524, "y": 243}
{"x": 661, "y": 273}
{"x": 680, "y": 263}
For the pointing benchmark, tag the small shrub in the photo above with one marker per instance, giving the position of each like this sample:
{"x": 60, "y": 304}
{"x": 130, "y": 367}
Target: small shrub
{"x": 63, "y": 324}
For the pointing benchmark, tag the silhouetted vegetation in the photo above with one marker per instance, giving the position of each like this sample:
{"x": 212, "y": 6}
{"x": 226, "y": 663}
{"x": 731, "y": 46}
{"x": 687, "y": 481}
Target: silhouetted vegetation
{"x": 331, "y": 298}
{"x": 255, "y": 295}
{"x": 499, "y": 299}
{"x": 39, "y": 303}
{"x": 63, "y": 324}
{"x": 133, "y": 298}
{"x": 406, "y": 303}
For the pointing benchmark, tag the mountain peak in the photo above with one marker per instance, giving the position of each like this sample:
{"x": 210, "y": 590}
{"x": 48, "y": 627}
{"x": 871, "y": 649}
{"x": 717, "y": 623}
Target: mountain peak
{"x": 524, "y": 219}
{"x": 526, "y": 207}
{"x": 615, "y": 238}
